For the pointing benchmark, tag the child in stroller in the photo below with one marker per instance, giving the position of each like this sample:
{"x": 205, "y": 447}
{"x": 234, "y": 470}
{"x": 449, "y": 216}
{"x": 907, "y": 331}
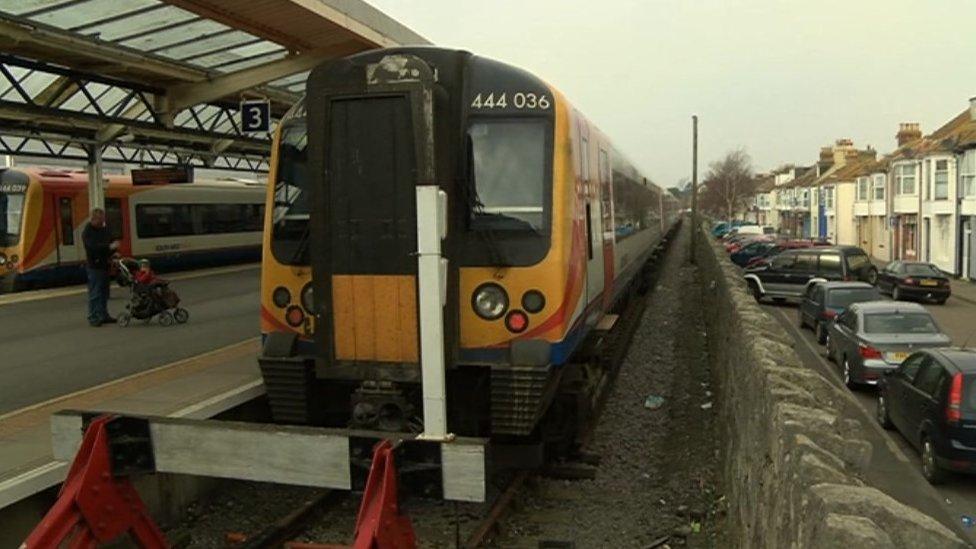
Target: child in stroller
{"x": 150, "y": 296}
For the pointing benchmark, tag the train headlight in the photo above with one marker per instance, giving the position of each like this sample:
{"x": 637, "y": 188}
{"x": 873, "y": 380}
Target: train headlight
{"x": 490, "y": 301}
{"x": 308, "y": 297}
{"x": 533, "y": 301}
{"x": 281, "y": 297}
{"x": 12, "y": 262}
{"x": 3, "y": 260}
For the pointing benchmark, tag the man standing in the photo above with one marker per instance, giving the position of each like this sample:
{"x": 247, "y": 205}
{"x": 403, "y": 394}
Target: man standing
{"x": 99, "y": 247}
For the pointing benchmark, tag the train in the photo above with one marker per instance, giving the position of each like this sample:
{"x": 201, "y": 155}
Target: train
{"x": 550, "y": 230}
{"x": 175, "y": 225}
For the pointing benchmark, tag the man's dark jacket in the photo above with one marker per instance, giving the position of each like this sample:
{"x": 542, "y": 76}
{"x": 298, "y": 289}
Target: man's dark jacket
{"x": 97, "y": 241}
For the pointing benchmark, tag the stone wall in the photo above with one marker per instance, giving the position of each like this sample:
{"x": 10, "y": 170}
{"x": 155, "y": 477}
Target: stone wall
{"x": 793, "y": 462}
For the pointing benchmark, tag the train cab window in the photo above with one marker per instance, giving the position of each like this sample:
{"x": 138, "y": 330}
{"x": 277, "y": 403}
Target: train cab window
{"x": 66, "y": 221}
{"x": 509, "y": 174}
{"x": 290, "y": 214}
{"x": 11, "y": 211}
{"x": 113, "y": 217}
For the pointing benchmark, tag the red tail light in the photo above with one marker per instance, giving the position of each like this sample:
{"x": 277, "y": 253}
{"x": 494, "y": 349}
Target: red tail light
{"x": 868, "y": 351}
{"x": 954, "y": 408}
{"x": 828, "y": 314}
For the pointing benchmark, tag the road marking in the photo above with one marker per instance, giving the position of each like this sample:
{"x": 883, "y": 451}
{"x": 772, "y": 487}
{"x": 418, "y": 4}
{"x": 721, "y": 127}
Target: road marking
{"x": 127, "y": 379}
{"x": 37, "y": 295}
{"x": 837, "y": 377}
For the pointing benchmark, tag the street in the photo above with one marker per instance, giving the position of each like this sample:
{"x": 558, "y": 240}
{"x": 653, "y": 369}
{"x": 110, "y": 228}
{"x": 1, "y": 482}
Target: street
{"x": 956, "y": 498}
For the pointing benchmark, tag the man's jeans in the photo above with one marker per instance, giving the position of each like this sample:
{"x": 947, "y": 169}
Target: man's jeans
{"x": 97, "y": 295}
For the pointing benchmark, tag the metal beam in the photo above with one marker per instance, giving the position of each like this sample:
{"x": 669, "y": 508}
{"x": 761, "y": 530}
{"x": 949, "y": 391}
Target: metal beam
{"x": 84, "y": 125}
{"x": 35, "y": 41}
{"x": 184, "y": 95}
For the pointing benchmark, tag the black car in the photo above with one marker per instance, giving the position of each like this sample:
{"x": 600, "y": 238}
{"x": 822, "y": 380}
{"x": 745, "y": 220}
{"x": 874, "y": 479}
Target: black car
{"x": 931, "y": 400}
{"x": 825, "y": 301}
{"x": 788, "y": 274}
{"x": 914, "y": 280}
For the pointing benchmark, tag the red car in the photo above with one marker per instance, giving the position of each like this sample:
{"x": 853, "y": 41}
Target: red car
{"x": 735, "y": 245}
{"x": 786, "y": 245}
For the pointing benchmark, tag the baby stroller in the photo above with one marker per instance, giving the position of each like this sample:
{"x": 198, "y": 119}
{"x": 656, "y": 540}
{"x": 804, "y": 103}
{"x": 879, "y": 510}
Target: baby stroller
{"x": 147, "y": 301}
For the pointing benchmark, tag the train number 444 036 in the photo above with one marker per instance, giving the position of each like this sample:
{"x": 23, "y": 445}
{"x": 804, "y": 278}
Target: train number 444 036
{"x": 518, "y": 100}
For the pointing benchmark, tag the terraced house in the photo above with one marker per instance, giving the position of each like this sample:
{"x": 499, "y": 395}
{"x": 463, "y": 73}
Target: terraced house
{"x": 917, "y": 203}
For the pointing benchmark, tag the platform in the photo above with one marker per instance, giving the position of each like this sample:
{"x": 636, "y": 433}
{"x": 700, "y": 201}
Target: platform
{"x": 198, "y": 387}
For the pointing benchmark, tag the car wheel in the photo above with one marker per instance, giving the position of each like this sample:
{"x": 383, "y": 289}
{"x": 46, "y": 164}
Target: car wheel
{"x": 821, "y": 333}
{"x": 896, "y": 293}
{"x": 884, "y": 419}
{"x": 930, "y": 469}
{"x": 849, "y": 375}
{"x": 872, "y": 277}
{"x": 755, "y": 291}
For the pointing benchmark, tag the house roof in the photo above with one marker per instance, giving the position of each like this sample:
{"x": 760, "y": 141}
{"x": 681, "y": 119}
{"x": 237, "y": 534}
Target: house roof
{"x": 848, "y": 172}
{"x": 765, "y": 183}
{"x": 804, "y": 180}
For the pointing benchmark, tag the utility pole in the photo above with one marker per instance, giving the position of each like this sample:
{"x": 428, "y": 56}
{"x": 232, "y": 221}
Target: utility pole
{"x": 694, "y": 186}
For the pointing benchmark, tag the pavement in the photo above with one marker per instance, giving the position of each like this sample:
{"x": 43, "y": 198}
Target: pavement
{"x": 895, "y": 466}
{"x": 49, "y": 350}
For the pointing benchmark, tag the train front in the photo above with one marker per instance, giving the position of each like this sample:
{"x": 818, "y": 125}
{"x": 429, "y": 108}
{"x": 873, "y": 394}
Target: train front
{"x": 379, "y": 125}
{"x": 13, "y": 197}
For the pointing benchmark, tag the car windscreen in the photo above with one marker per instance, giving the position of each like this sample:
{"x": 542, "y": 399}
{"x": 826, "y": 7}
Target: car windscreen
{"x": 857, "y": 261}
{"x": 841, "y": 298}
{"x": 899, "y": 323}
{"x": 921, "y": 269}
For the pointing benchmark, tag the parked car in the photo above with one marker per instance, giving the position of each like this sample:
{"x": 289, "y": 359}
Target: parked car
{"x": 931, "y": 400}
{"x": 788, "y": 274}
{"x": 872, "y": 338}
{"x": 736, "y": 244}
{"x": 825, "y": 301}
{"x": 788, "y": 245}
{"x": 907, "y": 279}
{"x": 752, "y": 250}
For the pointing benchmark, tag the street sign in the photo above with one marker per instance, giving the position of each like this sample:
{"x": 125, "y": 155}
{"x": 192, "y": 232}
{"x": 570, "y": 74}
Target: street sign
{"x": 255, "y": 115}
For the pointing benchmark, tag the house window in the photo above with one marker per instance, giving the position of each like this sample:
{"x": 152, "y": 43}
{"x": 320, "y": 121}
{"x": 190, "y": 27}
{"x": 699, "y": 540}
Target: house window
{"x": 905, "y": 179}
{"x": 879, "y": 187}
{"x": 941, "y": 191}
{"x": 967, "y": 173}
{"x": 927, "y": 179}
{"x": 862, "y": 189}
{"x": 828, "y": 197}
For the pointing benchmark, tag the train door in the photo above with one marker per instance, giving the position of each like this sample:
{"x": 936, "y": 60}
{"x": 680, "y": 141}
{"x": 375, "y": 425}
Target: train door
{"x": 606, "y": 203}
{"x": 68, "y": 239}
{"x": 116, "y": 219}
{"x": 593, "y": 221}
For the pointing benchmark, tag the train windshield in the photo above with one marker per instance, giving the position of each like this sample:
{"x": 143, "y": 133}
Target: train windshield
{"x": 290, "y": 213}
{"x": 11, "y": 209}
{"x": 509, "y": 174}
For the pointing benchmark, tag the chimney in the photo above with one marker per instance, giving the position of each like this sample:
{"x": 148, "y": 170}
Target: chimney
{"x": 972, "y": 108}
{"x": 826, "y": 154}
{"x": 843, "y": 149}
{"x": 908, "y": 132}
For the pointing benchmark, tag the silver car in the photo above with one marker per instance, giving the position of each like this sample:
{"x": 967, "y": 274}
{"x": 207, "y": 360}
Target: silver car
{"x": 870, "y": 338}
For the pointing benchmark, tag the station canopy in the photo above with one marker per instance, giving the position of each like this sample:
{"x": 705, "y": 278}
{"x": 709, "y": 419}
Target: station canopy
{"x": 160, "y": 82}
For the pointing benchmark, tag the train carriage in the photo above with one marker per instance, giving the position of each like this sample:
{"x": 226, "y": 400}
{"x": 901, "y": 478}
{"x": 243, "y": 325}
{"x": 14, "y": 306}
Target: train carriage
{"x": 43, "y": 211}
{"x": 548, "y": 231}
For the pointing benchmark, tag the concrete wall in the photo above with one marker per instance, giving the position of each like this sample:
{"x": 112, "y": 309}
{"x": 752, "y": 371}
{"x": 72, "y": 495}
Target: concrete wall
{"x": 793, "y": 463}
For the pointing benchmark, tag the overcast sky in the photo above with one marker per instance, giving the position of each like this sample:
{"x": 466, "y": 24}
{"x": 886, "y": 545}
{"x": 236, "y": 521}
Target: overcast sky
{"x": 780, "y": 78}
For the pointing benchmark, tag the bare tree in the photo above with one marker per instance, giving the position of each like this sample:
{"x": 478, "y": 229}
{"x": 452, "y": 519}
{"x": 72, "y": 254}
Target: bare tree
{"x": 728, "y": 185}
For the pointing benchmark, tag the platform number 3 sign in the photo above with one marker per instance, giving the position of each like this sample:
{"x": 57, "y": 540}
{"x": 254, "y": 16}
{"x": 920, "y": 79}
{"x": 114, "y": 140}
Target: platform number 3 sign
{"x": 256, "y": 115}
